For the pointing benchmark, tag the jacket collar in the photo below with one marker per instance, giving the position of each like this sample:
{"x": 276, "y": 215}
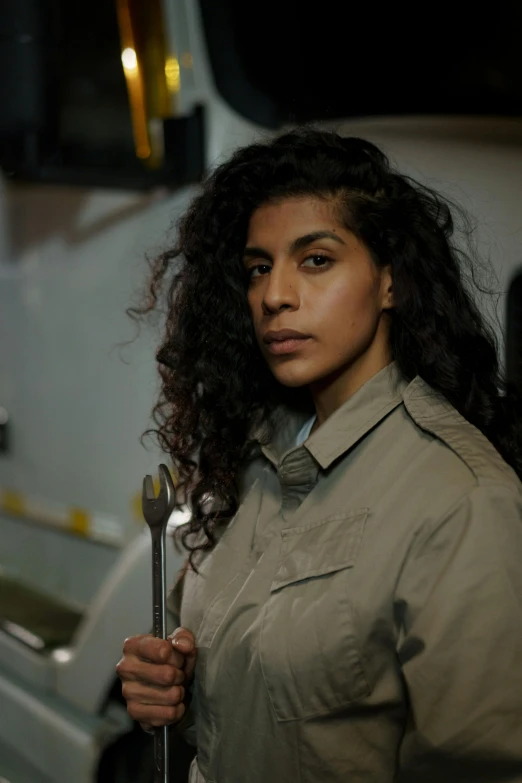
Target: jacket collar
{"x": 348, "y": 424}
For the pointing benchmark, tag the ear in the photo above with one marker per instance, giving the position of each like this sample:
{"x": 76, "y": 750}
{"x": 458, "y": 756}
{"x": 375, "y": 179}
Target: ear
{"x": 387, "y": 288}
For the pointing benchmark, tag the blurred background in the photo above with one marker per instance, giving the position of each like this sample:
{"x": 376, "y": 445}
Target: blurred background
{"x": 112, "y": 112}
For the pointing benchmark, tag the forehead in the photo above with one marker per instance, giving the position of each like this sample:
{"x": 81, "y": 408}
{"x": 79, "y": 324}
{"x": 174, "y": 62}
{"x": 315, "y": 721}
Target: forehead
{"x": 293, "y": 216}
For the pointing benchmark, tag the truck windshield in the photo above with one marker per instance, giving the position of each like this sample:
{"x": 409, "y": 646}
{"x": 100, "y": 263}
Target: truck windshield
{"x": 282, "y": 60}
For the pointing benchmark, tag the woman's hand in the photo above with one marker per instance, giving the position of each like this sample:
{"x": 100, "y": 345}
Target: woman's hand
{"x": 154, "y": 674}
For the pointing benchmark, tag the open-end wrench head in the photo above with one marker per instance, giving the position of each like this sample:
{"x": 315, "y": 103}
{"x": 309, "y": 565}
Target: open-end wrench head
{"x": 157, "y": 510}
{"x": 148, "y": 489}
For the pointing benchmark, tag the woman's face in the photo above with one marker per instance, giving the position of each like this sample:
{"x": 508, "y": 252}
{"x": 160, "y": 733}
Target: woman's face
{"x": 309, "y": 274}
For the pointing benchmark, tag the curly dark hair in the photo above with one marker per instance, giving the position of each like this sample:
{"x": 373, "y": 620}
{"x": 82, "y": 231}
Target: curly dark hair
{"x": 216, "y": 385}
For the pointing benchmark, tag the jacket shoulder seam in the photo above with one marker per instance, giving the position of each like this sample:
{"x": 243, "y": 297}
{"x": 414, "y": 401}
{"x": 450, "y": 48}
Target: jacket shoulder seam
{"x": 433, "y": 413}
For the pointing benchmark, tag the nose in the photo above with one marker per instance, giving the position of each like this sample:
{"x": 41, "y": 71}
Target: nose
{"x": 281, "y": 289}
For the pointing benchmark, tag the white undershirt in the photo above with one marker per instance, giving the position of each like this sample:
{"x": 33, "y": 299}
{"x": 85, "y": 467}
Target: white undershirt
{"x": 304, "y": 432}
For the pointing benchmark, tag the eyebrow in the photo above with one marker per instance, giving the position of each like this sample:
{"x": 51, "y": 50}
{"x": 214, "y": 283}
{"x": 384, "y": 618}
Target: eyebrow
{"x": 297, "y": 244}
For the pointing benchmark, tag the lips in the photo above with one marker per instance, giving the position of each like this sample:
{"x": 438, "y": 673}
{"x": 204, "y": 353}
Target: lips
{"x": 282, "y": 335}
{"x": 279, "y": 347}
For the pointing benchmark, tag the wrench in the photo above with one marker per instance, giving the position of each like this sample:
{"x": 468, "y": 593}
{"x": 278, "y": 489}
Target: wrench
{"x": 157, "y": 511}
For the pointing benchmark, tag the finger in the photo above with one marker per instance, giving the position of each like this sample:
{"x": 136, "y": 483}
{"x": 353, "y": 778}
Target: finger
{"x": 144, "y": 694}
{"x": 160, "y": 654}
{"x": 149, "y": 648}
{"x": 132, "y": 643}
{"x": 190, "y": 665}
{"x": 163, "y": 675}
{"x": 155, "y": 716}
{"x": 183, "y": 639}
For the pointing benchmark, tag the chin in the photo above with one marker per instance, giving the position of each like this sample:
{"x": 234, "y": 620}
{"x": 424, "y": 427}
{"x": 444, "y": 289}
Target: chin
{"x": 292, "y": 384}
{"x": 293, "y": 380}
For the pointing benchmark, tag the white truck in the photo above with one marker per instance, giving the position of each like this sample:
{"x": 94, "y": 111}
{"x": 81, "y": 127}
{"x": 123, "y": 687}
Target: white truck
{"x": 77, "y": 385}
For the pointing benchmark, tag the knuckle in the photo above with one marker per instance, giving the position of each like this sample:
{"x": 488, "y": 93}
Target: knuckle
{"x": 121, "y": 669}
{"x": 154, "y": 649}
{"x": 162, "y": 650}
{"x": 175, "y": 695}
{"x": 168, "y": 675}
{"x": 129, "y": 643}
{"x": 147, "y": 645}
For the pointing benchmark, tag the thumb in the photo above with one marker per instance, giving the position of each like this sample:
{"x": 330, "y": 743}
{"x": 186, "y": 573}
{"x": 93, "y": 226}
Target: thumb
{"x": 183, "y": 640}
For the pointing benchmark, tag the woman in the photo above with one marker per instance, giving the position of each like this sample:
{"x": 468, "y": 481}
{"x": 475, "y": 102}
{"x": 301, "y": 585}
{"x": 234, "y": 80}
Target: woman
{"x": 353, "y": 595}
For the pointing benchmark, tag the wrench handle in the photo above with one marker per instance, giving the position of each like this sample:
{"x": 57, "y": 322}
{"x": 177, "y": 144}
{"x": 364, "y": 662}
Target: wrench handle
{"x": 159, "y": 614}
{"x": 161, "y": 754}
{"x": 159, "y": 589}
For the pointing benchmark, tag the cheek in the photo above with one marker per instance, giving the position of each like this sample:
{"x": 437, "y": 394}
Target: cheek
{"x": 252, "y": 305}
{"x": 349, "y": 304}
{"x": 255, "y": 313}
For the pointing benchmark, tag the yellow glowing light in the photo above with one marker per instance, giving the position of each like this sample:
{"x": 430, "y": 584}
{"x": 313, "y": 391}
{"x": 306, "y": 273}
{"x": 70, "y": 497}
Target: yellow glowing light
{"x": 172, "y": 74}
{"x": 129, "y": 59}
{"x": 143, "y": 151}
{"x": 186, "y": 60}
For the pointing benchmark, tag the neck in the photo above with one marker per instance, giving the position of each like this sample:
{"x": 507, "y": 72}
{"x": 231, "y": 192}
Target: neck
{"x": 331, "y": 392}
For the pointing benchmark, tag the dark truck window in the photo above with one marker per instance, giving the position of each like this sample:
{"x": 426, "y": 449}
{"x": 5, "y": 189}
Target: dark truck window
{"x": 65, "y": 102}
{"x": 95, "y": 121}
{"x": 283, "y": 60}
{"x": 514, "y": 332}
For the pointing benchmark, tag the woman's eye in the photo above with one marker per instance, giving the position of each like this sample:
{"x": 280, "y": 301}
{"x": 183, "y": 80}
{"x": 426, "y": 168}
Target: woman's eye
{"x": 253, "y": 269}
{"x": 321, "y": 259}
{"x": 318, "y": 263}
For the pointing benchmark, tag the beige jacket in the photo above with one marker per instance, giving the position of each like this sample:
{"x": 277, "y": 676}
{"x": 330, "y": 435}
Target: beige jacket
{"x": 360, "y": 619}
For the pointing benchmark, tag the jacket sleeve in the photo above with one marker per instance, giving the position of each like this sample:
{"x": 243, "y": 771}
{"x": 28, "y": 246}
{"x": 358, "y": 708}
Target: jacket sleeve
{"x": 459, "y": 600}
{"x": 186, "y": 727}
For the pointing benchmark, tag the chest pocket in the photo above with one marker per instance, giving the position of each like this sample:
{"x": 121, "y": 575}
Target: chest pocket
{"x": 309, "y": 651}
